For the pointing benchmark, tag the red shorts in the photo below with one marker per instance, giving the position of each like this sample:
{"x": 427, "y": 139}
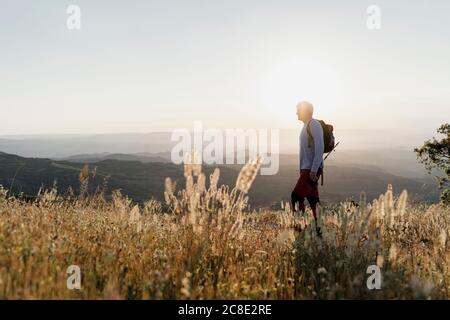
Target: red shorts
{"x": 305, "y": 187}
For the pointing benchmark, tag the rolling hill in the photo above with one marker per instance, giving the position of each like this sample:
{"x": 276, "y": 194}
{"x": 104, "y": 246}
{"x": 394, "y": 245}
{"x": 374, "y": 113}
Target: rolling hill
{"x": 142, "y": 181}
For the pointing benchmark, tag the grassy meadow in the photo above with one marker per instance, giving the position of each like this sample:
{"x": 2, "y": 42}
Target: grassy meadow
{"x": 205, "y": 243}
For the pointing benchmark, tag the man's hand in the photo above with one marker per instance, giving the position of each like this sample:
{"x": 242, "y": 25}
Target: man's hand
{"x": 313, "y": 176}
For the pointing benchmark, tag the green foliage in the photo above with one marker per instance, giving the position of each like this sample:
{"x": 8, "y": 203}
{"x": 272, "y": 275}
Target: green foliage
{"x": 445, "y": 197}
{"x": 435, "y": 155}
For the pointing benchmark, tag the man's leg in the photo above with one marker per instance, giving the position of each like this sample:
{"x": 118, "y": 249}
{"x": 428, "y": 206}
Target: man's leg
{"x": 313, "y": 201}
{"x": 295, "y": 198}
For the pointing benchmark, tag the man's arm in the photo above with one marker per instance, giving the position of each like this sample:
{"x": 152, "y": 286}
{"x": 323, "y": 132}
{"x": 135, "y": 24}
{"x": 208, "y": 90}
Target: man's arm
{"x": 299, "y": 152}
{"x": 317, "y": 133}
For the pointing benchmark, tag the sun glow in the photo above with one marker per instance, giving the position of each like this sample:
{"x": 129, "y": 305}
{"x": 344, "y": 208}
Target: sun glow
{"x": 282, "y": 86}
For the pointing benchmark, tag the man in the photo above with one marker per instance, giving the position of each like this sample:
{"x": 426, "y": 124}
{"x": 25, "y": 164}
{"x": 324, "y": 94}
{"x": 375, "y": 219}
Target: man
{"x": 311, "y": 161}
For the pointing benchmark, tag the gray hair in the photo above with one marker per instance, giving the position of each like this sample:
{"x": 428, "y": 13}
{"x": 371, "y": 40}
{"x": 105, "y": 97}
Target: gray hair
{"x": 305, "y": 105}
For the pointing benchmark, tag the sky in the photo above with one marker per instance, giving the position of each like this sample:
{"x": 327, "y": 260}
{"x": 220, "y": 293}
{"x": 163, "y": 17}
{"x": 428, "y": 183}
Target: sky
{"x": 143, "y": 66}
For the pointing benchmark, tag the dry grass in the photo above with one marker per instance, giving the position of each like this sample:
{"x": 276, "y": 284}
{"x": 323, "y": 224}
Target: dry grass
{"x": 204, "y": 244}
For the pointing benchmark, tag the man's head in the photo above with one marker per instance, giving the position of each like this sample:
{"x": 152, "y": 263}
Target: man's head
{"x": 304, "y": 111}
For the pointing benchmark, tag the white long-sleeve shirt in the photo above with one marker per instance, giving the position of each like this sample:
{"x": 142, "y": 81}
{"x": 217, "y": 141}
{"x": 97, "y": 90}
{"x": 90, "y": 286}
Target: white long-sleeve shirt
{"x": 311, "y": 158}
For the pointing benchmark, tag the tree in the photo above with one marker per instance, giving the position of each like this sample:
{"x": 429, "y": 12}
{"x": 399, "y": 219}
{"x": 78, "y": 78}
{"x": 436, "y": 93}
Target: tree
{"x": 435, "y": 155}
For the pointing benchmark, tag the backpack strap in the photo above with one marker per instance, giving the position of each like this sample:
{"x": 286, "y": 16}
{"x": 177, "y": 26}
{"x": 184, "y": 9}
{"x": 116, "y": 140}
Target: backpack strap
{"x": 310, "y": 136}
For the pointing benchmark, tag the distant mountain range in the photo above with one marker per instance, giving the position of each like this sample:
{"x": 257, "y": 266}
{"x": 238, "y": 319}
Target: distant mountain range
{"x": 63, "y": 146}
{"x": 124, "y": 157}
{"x": 141, "y": 176}
{"x": 163, "y": 157}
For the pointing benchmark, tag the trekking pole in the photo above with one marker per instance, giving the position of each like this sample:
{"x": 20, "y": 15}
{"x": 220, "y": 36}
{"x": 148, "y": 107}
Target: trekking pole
{"x": 328, "y": 154}
{"x": 334, "y": 149}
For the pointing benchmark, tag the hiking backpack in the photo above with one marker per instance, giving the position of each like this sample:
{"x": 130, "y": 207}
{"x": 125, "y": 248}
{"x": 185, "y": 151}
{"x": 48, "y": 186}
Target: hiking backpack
{"x": 328, "y": 136}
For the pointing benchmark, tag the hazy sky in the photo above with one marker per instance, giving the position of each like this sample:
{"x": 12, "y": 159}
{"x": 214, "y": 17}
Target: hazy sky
{"x": 140, "y": 66}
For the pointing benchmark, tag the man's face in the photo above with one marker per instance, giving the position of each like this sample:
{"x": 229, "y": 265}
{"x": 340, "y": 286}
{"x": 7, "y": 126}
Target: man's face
{"x": 302, "y": 114}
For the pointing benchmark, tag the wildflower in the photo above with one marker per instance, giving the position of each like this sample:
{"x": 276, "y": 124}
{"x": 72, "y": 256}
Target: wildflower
{"x": 380, "y": 261}
{"x": 214, "y": 179}
{"x": 443, "y": 238}
{"x": 169, "y": 190}
{"x": 186, "y": 285}
{"x": 401, "y": 203}
{"x": 322, "y": 270}
{"x": 201, "y": 182}
{"x": 135, "y": 214}
{"x": 248, "y": 174}
{"x": 393, "y": 252}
